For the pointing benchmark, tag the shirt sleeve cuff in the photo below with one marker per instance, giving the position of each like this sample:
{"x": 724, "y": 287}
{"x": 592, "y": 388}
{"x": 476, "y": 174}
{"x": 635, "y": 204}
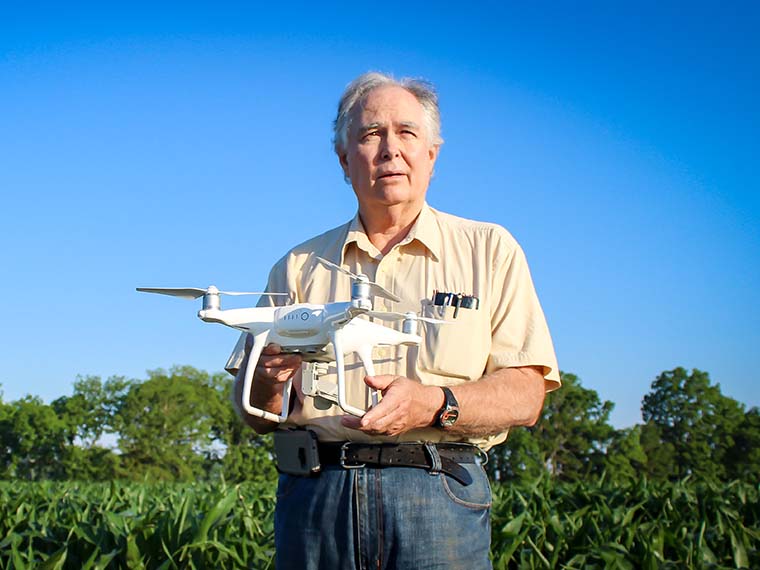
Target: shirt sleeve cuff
{"x": 515, "y": 360}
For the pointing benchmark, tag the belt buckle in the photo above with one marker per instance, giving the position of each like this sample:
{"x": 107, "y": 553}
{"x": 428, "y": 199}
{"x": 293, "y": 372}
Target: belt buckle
{"x": 343, "y": 464}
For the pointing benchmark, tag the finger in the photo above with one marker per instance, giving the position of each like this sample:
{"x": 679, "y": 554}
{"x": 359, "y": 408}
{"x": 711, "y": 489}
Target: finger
{"x": 270, "y": 369}
{"x": 385, "y": 422}
{"x": 380, "y": 382}
{"x": 351, "y": 422}
{"x": 280, "y": 361}
{"x": 272, "y": 348}
{"x": 380, "y": 416}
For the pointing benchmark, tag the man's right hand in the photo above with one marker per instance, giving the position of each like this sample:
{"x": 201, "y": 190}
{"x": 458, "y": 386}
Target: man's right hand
{"x": 273, "y": 367}
{"x": 272, "y": 370}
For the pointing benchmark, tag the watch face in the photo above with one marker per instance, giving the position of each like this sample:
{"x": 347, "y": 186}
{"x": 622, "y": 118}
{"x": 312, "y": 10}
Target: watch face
{"x": 448, "y": 417}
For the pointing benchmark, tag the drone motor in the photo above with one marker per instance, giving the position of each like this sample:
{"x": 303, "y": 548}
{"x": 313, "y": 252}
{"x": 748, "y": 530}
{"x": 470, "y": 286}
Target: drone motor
{"x": 212, "y": 299}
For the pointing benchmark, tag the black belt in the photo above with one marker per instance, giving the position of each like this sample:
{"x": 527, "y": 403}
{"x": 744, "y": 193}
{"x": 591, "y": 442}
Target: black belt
{"x": 437, "y": 457}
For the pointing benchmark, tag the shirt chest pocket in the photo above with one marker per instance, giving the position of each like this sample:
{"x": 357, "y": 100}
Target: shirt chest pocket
{"x": 459, "y": 348}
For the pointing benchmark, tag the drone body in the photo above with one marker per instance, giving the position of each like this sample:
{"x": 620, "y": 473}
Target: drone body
{"x": 320, "y": 333}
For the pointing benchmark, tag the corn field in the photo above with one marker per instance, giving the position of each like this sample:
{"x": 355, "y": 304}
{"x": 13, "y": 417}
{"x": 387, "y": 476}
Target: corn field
{"x": 544, "y": 525}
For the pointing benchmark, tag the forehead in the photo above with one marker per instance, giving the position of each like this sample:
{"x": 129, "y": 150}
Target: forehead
{"x": 389, "y": 104}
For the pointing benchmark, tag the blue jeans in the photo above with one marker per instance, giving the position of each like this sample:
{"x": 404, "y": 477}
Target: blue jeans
{"x": 383, "y": 518}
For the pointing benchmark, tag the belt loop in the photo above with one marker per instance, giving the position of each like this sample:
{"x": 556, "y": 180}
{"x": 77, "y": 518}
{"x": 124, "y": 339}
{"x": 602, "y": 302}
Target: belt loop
{"x": 435, "y": 459}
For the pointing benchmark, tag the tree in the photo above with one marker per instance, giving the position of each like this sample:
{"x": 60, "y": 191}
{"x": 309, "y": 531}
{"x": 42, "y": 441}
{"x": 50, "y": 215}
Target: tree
{"x": 574, "y": 429}
{"x": 625, "y": 457}
{"x": 166, "y": 425}
{"x": 743, "y": 459}
{"x": 696, "y": 419}
{"x": 569, "y": 439}
{"x": 247, "y": 455}
{"x": 88, "y": 416}
{"x": 32, "y": 440}
{"x": 85, "y": 413}
{"x": 520, "y": 458}
{"x": 661, "y": 455}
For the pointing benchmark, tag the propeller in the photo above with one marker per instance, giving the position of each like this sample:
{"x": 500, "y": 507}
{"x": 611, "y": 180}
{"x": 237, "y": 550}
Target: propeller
{"x": 194, "y": 292}
{"x": 391, "y": 316}
{"x": 378, "y": 290}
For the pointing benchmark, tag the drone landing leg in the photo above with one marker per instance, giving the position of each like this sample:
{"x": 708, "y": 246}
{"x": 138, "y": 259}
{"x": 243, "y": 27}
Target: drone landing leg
{"x": 259, "y": 341}
{"x": 365, "y": 355}
{"x": 336, "y": 336}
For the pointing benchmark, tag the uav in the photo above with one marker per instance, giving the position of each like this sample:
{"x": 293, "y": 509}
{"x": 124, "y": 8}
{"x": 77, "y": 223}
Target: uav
{"x": 321, "y": 334}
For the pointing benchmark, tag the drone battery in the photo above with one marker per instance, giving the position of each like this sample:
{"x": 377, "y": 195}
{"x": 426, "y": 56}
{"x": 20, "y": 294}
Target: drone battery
{"x": 296, "y": 452}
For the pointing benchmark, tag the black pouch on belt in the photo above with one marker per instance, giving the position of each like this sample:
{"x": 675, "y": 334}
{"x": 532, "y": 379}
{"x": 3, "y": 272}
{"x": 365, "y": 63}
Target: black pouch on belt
{"x": 296, "y": 452}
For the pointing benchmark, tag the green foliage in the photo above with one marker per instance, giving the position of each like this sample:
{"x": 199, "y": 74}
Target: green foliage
{"x": 591, "y": 525}
{"x": 32, "y": 440}
{"x": 165, "y": 424}
{"x": 743, "y": 459}
{"x": 543, "y": 524}
{"x": 102, "y": 526}
{"x": 569, "y": 439}
{"x": 696, "y": 422}
{"x": 180, "y": 426}
{"x": 175, "y": 426}
{"x": 691, "y": 429}
{"x": 625, "y": 456}
{"x": 574, "y": 429}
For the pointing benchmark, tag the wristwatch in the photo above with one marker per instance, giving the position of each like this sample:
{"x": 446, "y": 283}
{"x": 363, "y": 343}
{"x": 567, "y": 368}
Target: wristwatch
{"x": 449, "y": 413}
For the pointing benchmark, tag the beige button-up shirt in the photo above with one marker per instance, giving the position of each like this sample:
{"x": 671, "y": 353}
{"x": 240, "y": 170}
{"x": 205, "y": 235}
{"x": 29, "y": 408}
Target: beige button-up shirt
{"x": 441, "y": 253}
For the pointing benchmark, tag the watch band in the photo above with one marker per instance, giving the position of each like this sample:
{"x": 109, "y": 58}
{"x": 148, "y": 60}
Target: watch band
{"x": 449, "y": 413}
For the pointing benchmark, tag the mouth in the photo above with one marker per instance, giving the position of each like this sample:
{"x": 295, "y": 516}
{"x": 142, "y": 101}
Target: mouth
{"x": 390, "y": 175}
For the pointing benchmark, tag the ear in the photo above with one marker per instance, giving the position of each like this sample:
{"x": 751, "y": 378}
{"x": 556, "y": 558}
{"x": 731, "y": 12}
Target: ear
{"x": 433, "y": 155}
{"x": 343, "y": 159}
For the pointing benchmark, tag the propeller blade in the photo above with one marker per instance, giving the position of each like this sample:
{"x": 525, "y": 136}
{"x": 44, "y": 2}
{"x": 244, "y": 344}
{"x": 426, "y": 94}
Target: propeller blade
{"x": 182, "y": 292}
{"x": 381, "y": 291}
{"x": 386, "y": 316}
{"x": 335, "y": 266}
{"x": 391, "y": 316}
{"x": 378, "y": 290}
{"x": 194, "y": 292}
{"x": 433, "y": 321}
{"x": 235, "y": 293}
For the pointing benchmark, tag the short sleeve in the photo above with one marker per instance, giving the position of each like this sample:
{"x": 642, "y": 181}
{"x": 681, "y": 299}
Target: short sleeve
{"x": 520, "y": 335}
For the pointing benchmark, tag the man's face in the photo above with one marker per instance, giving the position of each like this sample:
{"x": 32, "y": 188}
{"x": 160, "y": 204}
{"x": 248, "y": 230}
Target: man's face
{"x": 389, "y": 157}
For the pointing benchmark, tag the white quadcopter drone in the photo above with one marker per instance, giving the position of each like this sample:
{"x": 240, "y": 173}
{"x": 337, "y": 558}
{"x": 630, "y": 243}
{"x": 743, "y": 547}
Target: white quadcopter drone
{"x": 321, "y": 334}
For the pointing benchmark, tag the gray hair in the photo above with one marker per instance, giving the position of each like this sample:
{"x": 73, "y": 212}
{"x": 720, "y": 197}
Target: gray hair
{"x": 359, "y": 88}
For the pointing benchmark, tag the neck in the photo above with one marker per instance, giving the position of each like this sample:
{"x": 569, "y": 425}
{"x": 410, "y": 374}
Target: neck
{"x": 387, "y": 226}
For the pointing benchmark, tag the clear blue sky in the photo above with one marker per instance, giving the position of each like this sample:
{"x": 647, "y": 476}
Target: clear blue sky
{"x": 180, "y": 145}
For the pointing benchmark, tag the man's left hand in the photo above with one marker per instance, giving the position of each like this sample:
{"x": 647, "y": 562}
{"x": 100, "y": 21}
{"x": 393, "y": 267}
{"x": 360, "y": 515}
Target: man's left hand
{"x": 406, "y": 405}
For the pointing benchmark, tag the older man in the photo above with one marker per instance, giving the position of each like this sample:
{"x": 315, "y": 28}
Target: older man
{"x": 415, "y": 495}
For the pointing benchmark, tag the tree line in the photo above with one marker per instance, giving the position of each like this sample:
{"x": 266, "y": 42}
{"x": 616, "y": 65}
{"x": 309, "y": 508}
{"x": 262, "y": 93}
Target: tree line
{"x": 179, "y": 425}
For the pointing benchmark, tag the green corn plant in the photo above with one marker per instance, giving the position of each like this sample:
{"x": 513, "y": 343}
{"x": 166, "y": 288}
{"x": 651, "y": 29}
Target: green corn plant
{"x": 543, "y": 524}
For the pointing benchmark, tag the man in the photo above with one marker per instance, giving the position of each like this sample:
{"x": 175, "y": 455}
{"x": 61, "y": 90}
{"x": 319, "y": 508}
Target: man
{"x": 492, "y": 363}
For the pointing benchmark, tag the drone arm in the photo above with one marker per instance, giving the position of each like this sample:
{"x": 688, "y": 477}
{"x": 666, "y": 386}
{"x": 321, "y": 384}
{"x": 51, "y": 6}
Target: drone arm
{"x": 259, "y": 341}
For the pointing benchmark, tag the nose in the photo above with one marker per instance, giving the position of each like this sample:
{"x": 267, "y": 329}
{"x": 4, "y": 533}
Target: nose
{"x": 390, "y": 148}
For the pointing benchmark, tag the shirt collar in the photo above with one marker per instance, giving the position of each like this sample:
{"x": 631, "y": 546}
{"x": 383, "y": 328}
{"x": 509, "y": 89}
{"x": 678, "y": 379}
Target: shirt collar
{"x": 424, "y": 230}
